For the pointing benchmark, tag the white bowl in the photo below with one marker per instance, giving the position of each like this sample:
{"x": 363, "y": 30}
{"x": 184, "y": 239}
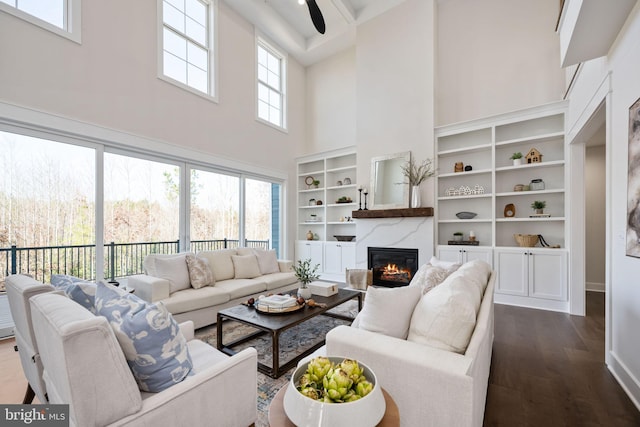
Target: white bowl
{"x": 304, "y": 411}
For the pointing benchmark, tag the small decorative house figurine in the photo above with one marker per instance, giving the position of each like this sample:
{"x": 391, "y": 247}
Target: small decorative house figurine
{"x": 458, "y": 167}
{"x": 533, "y": 156}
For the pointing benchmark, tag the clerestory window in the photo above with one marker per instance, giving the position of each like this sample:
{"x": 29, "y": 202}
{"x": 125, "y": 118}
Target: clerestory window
{"x": 271, "y": 84}
{"x": 187, "y": 41}
{"x": 61, "y": 17}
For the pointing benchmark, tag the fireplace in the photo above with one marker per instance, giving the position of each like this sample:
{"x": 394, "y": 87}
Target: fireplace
{"x": 392, "y": 267}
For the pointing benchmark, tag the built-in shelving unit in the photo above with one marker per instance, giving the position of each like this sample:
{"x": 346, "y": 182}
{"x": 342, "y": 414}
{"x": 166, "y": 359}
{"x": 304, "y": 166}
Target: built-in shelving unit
{"x": 487, "y": 146}
{"x": 323, "y": 211}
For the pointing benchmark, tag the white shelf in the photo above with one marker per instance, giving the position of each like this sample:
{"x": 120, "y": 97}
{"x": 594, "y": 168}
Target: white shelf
{"x": 342, "y": 169}
{"x": 339, "y": 187}
{"x": 341, "y": 223}
{"x": 471, "y": 196}
{"x": 524, "y": 219}
{"x": 473, "y": 149}
{"x": 532, "y": 139}
{"x": 305, "y": 174}
{"x": 455, "y": 221}
{"x": 527, "y": 193}
{"x": 459, "y": 174}
{"x": 553, "y": 163}
{"x": 333, "y": 205}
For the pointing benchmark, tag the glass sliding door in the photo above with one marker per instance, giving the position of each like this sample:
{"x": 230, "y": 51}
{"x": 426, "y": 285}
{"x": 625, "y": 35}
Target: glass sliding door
{"x": 141, "y": 211}
{"x": 262, "y": 214}
{"x": 47, "y": 208}
{"x": 214, "y": 210}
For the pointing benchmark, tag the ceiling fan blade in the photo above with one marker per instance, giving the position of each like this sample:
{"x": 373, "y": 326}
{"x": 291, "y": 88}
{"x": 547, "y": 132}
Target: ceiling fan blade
{"x": 316, "y": 16}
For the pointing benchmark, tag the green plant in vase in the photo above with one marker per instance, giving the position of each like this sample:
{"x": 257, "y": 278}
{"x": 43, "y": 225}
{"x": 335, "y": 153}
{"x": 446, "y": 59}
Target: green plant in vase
{"x": 305, "y": 273}
{"x": 457, "y": 236}
{"x": 517, "y": 158}
{"x": 539, "y": 206}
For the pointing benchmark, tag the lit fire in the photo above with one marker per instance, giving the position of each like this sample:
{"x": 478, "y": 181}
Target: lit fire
{"x": 392, "y": 272}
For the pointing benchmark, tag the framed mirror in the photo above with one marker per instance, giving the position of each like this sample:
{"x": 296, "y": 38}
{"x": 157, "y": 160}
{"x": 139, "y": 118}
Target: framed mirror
{"x": 389, "y": 188}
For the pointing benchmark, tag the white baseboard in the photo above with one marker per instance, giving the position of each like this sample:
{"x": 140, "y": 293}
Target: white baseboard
{"x": 625, "y": 378}
{"x": 594, "y": 287}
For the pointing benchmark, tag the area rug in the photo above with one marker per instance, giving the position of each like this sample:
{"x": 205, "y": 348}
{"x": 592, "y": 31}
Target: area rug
{"x": 292, "y": 342}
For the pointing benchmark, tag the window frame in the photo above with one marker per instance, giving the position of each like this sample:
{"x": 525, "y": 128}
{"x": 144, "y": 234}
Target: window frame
{"x": 72, "y": 20}
{"x": 262, "y": 41}
{"x": 212, "y": 50}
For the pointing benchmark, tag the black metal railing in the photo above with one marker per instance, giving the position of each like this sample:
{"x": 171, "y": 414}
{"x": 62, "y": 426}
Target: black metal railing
{"x": 120, "y": 259}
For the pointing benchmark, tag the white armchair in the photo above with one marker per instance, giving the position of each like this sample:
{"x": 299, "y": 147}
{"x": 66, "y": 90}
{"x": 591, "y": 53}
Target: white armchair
{"x": 19, "y": 289}
{"x": 85, "y": 367}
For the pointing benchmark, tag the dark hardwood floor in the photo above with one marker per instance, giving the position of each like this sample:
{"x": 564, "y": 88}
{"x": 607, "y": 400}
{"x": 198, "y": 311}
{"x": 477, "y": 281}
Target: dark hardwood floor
{"x": 548, "y": 370}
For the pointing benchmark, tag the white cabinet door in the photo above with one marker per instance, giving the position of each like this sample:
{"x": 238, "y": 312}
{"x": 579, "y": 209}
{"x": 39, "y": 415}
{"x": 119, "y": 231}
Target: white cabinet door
{"x": 511, "y": 268}
{"x": 332, "y": 257}
{"x": 449, "y": 253}
{"x": 532, "y": 272}
{"x": 464, "y": 254}
{"x": 548, "y": 275}
{"x": 338, "y": 256}
{"x": 306, "y": 249}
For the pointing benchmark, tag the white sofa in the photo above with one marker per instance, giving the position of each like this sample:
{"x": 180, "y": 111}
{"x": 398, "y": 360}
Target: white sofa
{"x": 238, "y": 274}
{"x": 430, "y": 385}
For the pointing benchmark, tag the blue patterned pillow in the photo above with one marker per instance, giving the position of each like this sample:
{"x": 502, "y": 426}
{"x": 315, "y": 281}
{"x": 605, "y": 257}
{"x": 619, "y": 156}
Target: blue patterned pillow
{"x": 151, "y": 341}
{"x": 79, "y": 290}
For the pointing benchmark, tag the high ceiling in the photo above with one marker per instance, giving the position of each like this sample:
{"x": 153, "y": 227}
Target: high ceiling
{"x": 287, "y": 23}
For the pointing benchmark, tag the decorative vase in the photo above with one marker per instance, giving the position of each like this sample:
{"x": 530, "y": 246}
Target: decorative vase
{"x": 539, "y": 211}
{"x": 415, "y": 196}
{"x": 517, "y": 162}
{"x": 304, "y": 292}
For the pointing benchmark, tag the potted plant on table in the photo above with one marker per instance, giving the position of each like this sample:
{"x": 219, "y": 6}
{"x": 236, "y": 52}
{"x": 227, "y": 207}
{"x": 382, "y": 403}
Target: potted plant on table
{"x": 457, "y": 236}
{"x": 517, "y": 158}
{"x": 539, "y": 206}
{"x": 305, "y": 274}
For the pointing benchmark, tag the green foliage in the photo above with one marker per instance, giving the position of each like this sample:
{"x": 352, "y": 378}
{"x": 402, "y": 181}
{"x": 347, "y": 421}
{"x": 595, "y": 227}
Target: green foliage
{"x": 515, "y": 156}
{"x": 305, "y": 273}
{"x": 539, "y": 204}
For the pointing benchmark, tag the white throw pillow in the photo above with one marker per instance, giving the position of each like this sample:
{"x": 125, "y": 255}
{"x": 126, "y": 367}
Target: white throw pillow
{"x": 220, "y": 263}
{"x": 428, "y": 277}
{"x": 447, "y": 265}
{"x": 388, "y": 310}
{"x": 170, "y": 267}
{"x": 200, "y": 273}
{"x": 267, "y": 261}
{"x": 446, "y": 317}
{"x": 245, "y": 266}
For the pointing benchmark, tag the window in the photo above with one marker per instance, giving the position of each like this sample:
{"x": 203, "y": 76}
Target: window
{"x": 58, "y": 16}
{"x": 271, "y": 84}
{"x": 187, "y": 44}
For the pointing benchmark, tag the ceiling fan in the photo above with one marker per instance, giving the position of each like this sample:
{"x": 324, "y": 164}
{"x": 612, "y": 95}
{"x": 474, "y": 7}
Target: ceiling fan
{"x": 316, "y": 15}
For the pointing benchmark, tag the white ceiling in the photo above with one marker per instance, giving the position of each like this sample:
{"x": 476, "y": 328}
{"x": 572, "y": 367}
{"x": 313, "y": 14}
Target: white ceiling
{"x": 287, "y": 23}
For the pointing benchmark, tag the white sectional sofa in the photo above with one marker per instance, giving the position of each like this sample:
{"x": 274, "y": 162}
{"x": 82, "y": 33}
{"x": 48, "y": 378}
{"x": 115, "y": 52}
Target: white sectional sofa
{"x": 237, "y": 274}
{"x": 437, "y": 375}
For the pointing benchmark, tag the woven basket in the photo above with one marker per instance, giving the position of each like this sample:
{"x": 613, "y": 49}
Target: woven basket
{"x": 526, "y": 240}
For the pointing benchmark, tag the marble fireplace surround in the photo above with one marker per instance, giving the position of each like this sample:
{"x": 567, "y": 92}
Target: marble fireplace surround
{"x": 394, "y": 228}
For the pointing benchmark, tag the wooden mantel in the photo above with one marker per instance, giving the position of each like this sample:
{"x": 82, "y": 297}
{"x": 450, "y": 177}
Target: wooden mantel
{"x": 392, "y": 213}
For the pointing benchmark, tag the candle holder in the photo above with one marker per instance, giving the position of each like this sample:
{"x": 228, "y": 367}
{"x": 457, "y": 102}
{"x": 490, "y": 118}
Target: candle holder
{"x": 365, "y": 201}
{"x": 360, "y": 199}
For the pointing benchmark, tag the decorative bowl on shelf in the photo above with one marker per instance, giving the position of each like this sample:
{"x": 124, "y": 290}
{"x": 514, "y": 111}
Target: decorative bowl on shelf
{"x": 343, "y": 238}
{"x": 305, "y": 411}
{"x": 466, "y": 215}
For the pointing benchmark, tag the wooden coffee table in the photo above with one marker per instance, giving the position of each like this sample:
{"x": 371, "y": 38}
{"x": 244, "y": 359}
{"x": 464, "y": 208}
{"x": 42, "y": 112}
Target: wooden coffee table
{"x": 278, "y": 418}
{"x": 275, "y": 324}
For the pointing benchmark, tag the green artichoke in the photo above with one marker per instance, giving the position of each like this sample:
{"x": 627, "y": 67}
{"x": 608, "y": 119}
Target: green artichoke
{"x": 311, "y": 392}
{"x": 337, "y": 384}
{"x": 363, "y": 388}
{"x": 318, "y": 368}
{"x": 353, "y": 369}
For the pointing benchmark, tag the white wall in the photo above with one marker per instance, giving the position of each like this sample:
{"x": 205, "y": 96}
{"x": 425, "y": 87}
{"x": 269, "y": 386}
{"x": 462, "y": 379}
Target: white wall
{"x": 331, "y": 103}
{"x": 379, "y": 94}
{"x": 111, "y": 80}
{"x": 595, "y": 183}
{"x": 623, "y": 291}
{"x": 496, "y": 56}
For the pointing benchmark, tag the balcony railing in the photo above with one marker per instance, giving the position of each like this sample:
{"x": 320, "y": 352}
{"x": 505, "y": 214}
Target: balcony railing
{"x": 120, "y": 259}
